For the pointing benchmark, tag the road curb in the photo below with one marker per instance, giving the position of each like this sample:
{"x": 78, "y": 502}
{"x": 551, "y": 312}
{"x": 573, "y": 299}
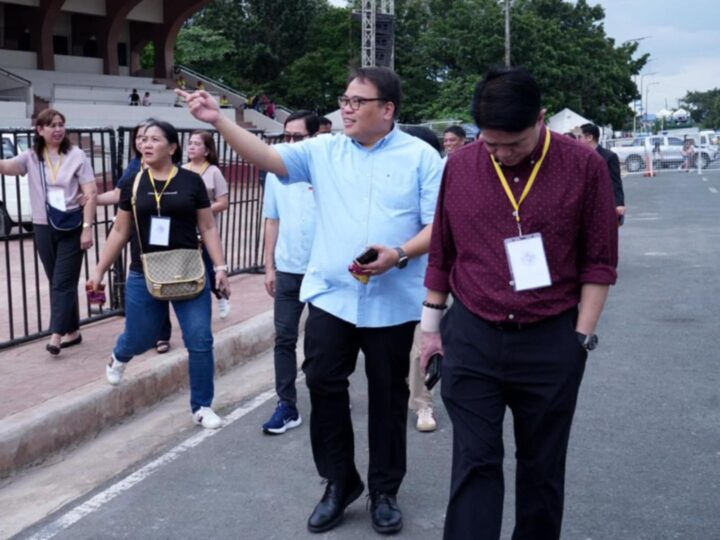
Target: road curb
{"x": 31, "y": 436}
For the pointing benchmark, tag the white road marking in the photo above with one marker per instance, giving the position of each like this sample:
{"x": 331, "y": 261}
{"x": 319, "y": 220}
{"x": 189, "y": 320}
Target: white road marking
{"x": 704, "y": 179}
{"x": 713, "y": 190}
{"x": 656, "y": 254}
{"x": 643, "y": 218}
{"x": 95, "y": 503}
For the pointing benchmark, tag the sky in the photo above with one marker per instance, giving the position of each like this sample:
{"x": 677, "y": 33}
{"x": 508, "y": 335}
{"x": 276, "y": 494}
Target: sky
{"x": 682, "y": 37}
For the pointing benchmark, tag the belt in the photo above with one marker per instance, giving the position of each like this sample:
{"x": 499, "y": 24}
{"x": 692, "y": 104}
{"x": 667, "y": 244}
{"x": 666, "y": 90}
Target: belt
{"x": 509, "y": 326}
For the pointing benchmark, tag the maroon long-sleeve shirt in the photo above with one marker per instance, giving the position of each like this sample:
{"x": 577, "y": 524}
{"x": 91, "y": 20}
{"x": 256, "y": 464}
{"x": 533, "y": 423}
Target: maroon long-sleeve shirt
{"x": 571, "y": 204}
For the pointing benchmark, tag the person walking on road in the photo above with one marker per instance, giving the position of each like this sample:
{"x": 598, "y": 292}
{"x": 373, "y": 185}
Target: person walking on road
{"x": 591, "y": 137}
{"x": 525, "y": 238}
{"x": 60, "y": 178}
{"x": 289, "y": 212}
{"x": 167, "y": 220}
{"x": 375, "y": 187}
{"x": 204, "y": 161}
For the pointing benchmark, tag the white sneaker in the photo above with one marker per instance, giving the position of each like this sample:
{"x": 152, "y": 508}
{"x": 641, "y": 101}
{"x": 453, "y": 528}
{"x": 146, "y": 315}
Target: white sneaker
{"x": 207, "y": 418}
{"x": 114, "y": 371}
{"x": 223, "y": 307}
{"x": 426, "y": 420}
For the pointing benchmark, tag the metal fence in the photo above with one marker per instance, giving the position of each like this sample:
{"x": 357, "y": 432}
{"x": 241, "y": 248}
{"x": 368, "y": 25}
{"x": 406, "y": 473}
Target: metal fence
{"x": 24, "y": 289}
{"x": 652, "y": 154}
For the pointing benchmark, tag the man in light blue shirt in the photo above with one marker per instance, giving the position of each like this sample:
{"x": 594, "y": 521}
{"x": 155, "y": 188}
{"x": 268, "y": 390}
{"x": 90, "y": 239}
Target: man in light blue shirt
{"x": 376, "y": 187}
{"x": 289, "y": 212}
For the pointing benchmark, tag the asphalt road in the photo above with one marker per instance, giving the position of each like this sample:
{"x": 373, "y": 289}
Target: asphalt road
{"x": 644, "y": 458}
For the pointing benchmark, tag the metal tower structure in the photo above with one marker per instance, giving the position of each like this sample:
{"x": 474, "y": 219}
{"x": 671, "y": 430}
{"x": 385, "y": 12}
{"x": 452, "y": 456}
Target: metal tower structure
{"x": 369, "y": 30}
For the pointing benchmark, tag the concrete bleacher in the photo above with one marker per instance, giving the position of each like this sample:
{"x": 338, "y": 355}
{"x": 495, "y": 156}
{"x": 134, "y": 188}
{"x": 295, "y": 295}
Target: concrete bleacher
{"x": 43, "y": 82}
{"x": 101, "y": 94}
{"x": 83, "y": 114}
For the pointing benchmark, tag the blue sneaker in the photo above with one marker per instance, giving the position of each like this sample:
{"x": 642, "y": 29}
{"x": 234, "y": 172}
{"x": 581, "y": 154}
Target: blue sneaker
{"x": 286, "y": 416}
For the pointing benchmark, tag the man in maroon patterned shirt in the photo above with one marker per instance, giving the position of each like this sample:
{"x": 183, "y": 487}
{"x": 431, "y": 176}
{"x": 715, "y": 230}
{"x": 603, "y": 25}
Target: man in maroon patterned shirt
{"x": 525, "y": 239}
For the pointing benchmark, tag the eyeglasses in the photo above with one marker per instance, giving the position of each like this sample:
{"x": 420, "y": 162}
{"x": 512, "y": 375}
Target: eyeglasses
{"x": 294, "y": 137}
{"x": 355, "y": 102}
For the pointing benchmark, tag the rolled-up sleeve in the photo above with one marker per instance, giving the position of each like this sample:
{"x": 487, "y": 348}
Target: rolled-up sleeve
{"x": 270, "y": 209}
{"x": 598, "y": 255}
{"x": 442, "y": 245}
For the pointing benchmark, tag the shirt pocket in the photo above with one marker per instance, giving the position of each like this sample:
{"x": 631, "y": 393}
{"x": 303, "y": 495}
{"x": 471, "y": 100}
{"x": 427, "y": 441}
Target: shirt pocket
{"x": 397, "y": 190}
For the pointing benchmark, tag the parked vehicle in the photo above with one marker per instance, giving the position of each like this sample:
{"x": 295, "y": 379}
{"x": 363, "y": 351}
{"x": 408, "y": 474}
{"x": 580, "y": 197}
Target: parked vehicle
{"x": 666, "y": 151}
{"x": 14, "y": 191}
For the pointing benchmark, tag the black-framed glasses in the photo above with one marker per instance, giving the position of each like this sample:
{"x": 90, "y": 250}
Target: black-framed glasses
{"x": 355, "y": 102}
{"x": 294, "y": 137}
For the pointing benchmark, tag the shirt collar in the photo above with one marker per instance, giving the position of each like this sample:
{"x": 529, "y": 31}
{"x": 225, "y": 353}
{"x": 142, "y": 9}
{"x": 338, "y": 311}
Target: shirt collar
{"x": 382, "y": 142}
{"x": 535, "y": 155}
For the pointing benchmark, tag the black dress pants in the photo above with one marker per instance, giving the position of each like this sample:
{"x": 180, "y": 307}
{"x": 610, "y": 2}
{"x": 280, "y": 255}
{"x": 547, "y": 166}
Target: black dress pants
{"x": 62, "y": 258}
{"x": 331, "y": 350}
{"x": 534, "y": 370}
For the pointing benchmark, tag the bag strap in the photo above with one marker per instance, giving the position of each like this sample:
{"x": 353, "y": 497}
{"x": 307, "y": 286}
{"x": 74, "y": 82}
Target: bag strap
{"x": 41, "y": 163}
{"x": 133, "y": 202}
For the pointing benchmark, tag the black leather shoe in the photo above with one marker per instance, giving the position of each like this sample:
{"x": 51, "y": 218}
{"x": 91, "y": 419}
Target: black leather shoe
{"x": 329, "y": 511}
{"x": 385, "y": 513}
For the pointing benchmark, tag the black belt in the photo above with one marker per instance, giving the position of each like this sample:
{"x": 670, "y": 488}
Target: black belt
{"x": 510, "y": 326}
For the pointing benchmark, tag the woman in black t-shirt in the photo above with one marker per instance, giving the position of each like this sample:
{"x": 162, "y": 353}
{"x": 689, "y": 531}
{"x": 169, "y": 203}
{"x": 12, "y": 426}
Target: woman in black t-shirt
{"x": 172, "y": 205}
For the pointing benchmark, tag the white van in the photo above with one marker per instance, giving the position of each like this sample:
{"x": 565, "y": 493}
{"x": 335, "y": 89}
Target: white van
{"x": 14, "y": 190}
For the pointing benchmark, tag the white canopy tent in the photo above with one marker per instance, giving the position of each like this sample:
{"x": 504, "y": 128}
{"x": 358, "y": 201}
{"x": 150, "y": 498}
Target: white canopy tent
{"x": 566, "y": 120}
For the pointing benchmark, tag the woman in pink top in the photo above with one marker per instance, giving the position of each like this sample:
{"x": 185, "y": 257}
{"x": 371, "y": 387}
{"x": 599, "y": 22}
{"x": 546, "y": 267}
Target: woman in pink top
{"x": 58, "y": 174}
{"x": 203, "y": 156}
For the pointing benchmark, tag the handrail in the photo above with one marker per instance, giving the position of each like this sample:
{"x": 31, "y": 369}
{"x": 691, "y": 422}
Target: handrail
{"x": 189, "y": 71}
{"x": 197, "y": 75}
{"x": 16, "y": 77}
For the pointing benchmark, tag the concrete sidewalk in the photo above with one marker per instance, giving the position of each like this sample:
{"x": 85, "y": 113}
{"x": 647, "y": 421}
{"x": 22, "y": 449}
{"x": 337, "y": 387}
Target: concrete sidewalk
{"x": 49, "y": 403}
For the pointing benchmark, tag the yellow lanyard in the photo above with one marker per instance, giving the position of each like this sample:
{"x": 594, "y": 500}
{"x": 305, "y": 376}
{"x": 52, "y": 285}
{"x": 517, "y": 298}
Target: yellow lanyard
{"x": 54, "y": 169}
{"x": 158, "y": 196}
{"x": 516, "y": 204}
{"x": 202, "y": 169}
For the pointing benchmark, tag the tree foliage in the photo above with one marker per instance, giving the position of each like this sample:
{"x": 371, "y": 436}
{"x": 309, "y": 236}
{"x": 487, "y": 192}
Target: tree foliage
{"x": 704, "y": 107}
{"x": 298, "y": 51}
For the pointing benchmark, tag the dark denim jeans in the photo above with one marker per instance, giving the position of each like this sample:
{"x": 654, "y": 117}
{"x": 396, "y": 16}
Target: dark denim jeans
{"x": 144, "y": 317}
{"x": 288, "y": 309}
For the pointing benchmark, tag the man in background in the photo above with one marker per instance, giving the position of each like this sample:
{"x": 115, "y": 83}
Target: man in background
{"x": 591, "y": 137}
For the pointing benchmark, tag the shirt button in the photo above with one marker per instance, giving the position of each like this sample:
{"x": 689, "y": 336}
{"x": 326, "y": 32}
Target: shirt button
{"x": 511, "y": 316}
{"x": 512, "y": 284}
{"x": 532, "y": 162}
{"x": 516, "y": 180}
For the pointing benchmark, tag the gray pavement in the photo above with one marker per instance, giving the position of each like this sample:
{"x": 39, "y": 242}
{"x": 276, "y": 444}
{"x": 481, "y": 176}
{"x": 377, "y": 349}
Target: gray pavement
{"x": 644, "y": 459}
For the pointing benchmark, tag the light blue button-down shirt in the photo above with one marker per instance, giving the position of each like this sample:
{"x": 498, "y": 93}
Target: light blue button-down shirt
{"x": 294, "y": 205}
{"x": 382, "y": 195}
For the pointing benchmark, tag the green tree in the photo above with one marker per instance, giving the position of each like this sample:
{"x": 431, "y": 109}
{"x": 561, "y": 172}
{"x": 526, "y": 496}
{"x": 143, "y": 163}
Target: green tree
{"x": 704, "y": 107}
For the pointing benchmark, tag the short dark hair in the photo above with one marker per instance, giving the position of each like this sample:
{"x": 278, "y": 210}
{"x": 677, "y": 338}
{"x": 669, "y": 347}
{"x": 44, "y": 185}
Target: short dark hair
{"x": 209, "y": 142}
{"x": 507, "y": 99}
{"x": 456, "y": 130}
{"x": 570, "y": 134}
{"x": 385, "y": 80}
{"x": 425, "y": 134}
{"x": 45, "y": 118}
{"x": 592, "y": 130}
{"x": 312, "y": 122}
{"x": 171, "y": 135}
{"x": 325, "y": 121}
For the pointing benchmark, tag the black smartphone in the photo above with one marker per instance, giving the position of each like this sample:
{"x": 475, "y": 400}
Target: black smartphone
{"x": 432, "y": 374}
{"x": 368, "y": 256}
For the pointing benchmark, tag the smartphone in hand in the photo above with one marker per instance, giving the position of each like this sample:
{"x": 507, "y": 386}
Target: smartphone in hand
{"x": 432, "y": 374}
{"x": 368, "y": 256}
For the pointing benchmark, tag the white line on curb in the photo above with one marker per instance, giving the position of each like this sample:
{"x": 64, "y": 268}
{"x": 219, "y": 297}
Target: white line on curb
{"x": 713, "y": 190}
{"x": 95, "y": 503}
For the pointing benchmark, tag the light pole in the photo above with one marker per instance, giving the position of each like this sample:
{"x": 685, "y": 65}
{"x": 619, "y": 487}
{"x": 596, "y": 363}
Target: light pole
{"x": 507, "y": 32}
{"x": 647, "y": 92}
{"x": 641, "y": 99}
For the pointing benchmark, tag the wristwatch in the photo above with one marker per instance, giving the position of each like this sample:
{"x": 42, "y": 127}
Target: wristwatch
{"x": 403, "y": 260}
{"x": 588, "y": 342}
{"x": 221, "y": 268}
{"x": 86, "y": 225}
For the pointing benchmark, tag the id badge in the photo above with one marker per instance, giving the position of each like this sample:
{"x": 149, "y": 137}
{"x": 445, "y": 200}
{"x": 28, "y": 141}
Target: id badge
{"x": 528, "y": 263}
{"x": 159, "y": 231}
{"x": 56, "y": 199}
